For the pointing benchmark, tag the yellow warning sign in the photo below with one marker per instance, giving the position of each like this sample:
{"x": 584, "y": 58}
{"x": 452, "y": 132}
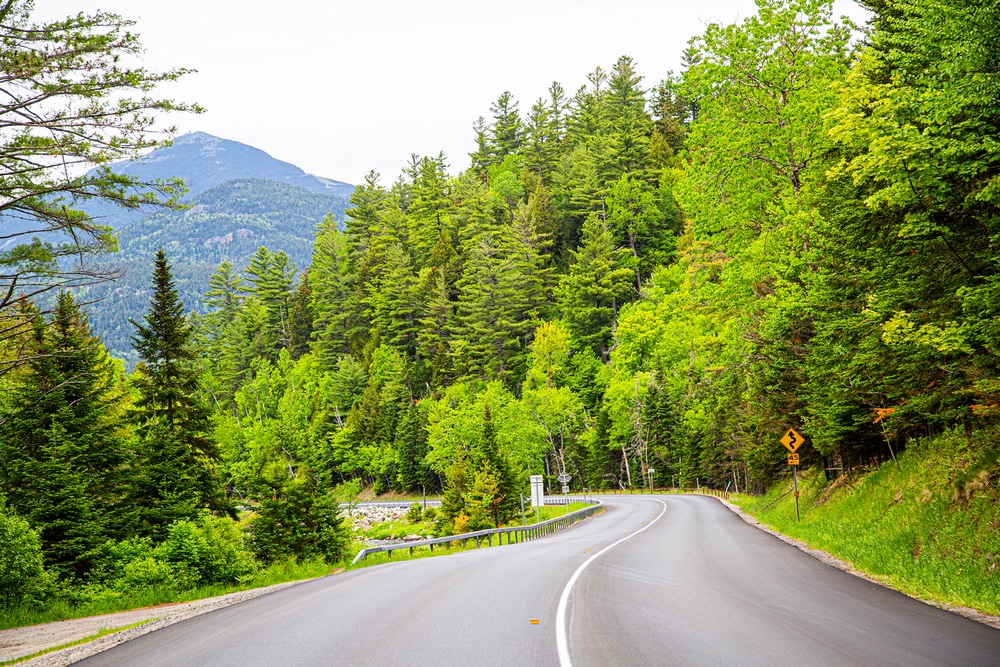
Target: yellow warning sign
{"x": 792, "y": 440}
{"x": 793, "y": 459}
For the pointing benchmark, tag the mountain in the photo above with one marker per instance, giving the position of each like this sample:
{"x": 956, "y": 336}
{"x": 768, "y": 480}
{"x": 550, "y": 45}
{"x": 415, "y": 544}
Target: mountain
{"x": 239, "y": 199}
{"x": 205, "y": 161}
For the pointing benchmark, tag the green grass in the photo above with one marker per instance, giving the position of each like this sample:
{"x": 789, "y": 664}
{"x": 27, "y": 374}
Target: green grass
{"x": 104, "y": 632}
{"x": 60, "y": 609}
{"x": 930, "y": 528}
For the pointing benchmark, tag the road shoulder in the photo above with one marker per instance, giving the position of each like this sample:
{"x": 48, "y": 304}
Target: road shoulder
{"x": 19, "y": 642}
{"x": 832, "y": 561}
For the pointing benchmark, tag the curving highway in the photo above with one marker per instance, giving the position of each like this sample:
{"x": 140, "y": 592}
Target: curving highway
{"x": 655, "y": 580}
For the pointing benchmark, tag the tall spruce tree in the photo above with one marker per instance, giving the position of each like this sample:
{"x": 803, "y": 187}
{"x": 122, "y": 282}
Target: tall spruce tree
{"x": 61, "y": 462}
{"x": 175, "y": 452}
{"x": 595, "y": 287}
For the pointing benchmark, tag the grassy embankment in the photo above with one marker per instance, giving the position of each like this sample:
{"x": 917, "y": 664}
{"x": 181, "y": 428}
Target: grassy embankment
{"x": 62, "y": 609}
{"x": 929, "y": 527}
{"x": 290, "y": 570}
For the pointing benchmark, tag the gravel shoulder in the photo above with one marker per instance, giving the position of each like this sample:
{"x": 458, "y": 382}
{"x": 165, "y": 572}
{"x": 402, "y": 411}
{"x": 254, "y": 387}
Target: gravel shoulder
{"x": 19, "y": 642}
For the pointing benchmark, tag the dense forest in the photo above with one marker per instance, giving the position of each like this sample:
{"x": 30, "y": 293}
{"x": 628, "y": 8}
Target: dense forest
{"x": 228, "y": 221}
{"x": 796, "y": 230}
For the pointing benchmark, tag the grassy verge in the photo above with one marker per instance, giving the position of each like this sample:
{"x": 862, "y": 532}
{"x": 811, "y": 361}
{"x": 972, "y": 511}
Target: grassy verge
{"x": 111, "y": 602}
{"x": 929, "y": 527}
{"x": 104, "y": 632}
{"x": 60, "y": 610}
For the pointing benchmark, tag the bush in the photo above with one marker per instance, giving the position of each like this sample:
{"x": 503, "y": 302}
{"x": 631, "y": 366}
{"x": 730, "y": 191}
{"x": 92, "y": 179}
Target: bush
{"x": 212, "y": 548}
{"x": 149, "y": 572}
{"x": 301, "y": 522}
{"x": 415, "y": 513}
{"x": 430, "y": 513}
{"x": 206, "y": 551}
{"x": 22, "y": 577}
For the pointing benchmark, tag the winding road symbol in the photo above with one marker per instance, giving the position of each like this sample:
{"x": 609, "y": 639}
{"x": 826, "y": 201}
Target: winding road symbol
{"x": 792, "y": 440}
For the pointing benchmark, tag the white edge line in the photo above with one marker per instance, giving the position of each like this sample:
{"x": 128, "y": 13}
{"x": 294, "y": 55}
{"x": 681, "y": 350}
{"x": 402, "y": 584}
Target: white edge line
{"x": 562, "y": 632}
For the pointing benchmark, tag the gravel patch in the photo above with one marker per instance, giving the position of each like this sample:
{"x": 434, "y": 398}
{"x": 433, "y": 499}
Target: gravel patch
{"x": 19, "y": 642}
{"x": 832, "y": 561}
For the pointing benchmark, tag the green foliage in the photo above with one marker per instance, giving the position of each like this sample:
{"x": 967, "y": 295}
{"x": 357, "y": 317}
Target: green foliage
{"x": 595, "y": 287}
{"x": 69, "y": 102}
{"x": 172, "y": 422}
{"x": 301, "y": 521}
{"x": 415, "y": 512}
{"x": 61, "y": 463}
{"x": 22, "y": 576}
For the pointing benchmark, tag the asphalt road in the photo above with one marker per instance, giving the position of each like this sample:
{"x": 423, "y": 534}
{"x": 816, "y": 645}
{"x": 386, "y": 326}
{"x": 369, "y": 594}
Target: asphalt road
{"x": 671, "y": 580}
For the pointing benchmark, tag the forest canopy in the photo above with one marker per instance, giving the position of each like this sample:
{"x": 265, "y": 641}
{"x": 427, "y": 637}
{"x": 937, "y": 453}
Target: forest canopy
{"x": 796, "y": 230}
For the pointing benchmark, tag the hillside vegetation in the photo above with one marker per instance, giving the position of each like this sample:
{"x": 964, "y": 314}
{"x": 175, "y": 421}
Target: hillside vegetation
{"x": 228, "y": 222}
{"x": 929, "y": 527}
{"x": 797, "y": 230}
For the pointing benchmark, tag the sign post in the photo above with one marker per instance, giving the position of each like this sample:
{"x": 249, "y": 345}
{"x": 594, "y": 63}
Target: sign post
{"x": 538, "y": 495}
{"x": 792, "y": 440}
{"x": 564, "y": 480}
{"x": 651, "y": 471}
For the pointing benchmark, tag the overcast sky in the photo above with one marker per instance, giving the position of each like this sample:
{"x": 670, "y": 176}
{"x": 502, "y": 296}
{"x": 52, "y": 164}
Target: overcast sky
{"x": 340, "y": 88}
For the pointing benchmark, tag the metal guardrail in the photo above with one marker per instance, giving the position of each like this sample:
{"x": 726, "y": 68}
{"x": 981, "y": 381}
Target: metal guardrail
{"x": 515, "y": 534}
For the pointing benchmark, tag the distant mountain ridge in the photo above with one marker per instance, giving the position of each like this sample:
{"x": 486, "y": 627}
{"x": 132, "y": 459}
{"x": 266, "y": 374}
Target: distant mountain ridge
{"x": 205, "y": 161}
{"x": 239, "y": 198}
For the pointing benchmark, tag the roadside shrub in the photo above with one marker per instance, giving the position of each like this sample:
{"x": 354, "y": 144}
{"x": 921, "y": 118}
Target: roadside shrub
{"x": 430, "y": 513}
{"x": 300, "y": 521}
{"x": 213, "y": 549}
{"x": 23, "y": 579}
{"x": 149, "y": 572}
{"x": 415, "y": 513}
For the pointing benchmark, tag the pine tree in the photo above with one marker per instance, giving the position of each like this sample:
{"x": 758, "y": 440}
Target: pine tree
{"x": 332, "y": 283}
{"x": 411, "y": 448}
{"x": 62, "y": 465}
{"x": 497, "y": 490}
{"x": 595, "y": 287}
{"x": 271, "y": 276}
{"x": 175, "y": 451}
{"x": 507, "y": 129}
{"x": 630, "y": 124}
{"x": 301, "y": 319}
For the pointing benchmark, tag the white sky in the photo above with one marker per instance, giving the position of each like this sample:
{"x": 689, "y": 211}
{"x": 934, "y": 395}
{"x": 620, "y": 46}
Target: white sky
{"x": 341, "y": 88}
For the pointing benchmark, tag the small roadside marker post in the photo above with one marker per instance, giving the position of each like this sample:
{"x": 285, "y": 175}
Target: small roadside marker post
{"x": 564, "y": 480}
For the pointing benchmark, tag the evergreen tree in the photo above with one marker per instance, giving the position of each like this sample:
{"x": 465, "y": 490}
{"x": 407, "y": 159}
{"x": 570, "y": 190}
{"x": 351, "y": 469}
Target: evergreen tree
{"x": 62, "y": 463}
{"x": 333, "y": 290}
{"x": 507, "y": 129}
{"x": 300, "y": 520}
{"x": 301, "y": 319}
{"x": 271, "y": 276}
{"x": 543, "y": 145}
{"x": 493, "y": 488}
{"x": 175, "y": 478}
{"x": 630, "y": 124}
{"x": 595, "y": 287}
{"x": 411, "y": 448}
